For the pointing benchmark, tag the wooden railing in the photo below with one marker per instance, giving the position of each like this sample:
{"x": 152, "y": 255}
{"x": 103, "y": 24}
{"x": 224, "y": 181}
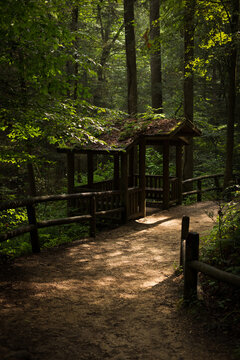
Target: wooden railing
{"x": 192, "y": 266}
{"x": 97, "y": 186}
{"x": 198, "y": 181}
{"x": 94, "y": 204}
{"x": 154, "y": 186}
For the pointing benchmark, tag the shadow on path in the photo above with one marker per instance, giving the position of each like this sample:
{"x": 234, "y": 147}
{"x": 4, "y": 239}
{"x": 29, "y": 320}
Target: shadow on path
{"x": 114, "y": 297}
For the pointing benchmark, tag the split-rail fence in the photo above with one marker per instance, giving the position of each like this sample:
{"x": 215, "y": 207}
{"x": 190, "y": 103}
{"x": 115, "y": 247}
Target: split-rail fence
{"x": 99, "y": 203}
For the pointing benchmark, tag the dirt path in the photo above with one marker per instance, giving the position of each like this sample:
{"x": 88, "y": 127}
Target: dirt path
{"x": 112, "y": 298}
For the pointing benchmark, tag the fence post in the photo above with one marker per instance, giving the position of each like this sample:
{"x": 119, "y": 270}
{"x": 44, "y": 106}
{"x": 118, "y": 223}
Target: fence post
{"x": 93, "y": 216}
{"x": 199, "y": 187}
{"x": 190, "y": 275}
{"x": 33, "y": 233}
{"x": 184, "y": 234}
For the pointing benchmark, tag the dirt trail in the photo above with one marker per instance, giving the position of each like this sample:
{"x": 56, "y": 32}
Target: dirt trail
{"x": 112, "y": 298}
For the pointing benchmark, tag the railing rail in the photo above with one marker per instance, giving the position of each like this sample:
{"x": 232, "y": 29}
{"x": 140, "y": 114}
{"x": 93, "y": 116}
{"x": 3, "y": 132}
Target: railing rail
{"x": 200, "y": 190}
{"x": 192, "y": 266}
{"x": 99, "y": 203}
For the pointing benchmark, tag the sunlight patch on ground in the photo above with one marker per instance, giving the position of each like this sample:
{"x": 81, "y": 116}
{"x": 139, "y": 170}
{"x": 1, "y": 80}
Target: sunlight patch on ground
{"x": 151, "y": 220}
{"x": 66, "y": 285}
{"x": 171, "y": 223}
{"x": 152, "y": 282}
{"x": 128, "y": 296}
{"x": 105, "y": 281}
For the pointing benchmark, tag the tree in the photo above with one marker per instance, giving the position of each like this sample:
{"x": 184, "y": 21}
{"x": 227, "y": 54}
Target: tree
{"x": 232, "y": 69}
{"x": 130, "y": 56}
{"x": 107, "y": 17}
{"x": 189, "y": 10}
{"x": 155, "y": 48}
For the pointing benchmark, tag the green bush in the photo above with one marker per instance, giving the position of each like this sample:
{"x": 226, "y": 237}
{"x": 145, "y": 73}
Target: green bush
{"x": 221, "y": 249}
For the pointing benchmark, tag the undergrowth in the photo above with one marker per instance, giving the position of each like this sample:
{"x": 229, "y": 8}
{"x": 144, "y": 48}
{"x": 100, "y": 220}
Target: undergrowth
{"x": 222, "y": 250}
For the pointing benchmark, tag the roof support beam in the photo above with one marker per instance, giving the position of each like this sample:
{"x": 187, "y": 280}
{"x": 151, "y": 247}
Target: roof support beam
{"x": 116, "y": 172}
{"x": 179, "y": 170}
{"x": 90, "y": 169}
{"x": 124, "y": 186}
{"x": 70, "y": 180}
{"x": 166, "y": 182}
{"x": 142, "y": 177}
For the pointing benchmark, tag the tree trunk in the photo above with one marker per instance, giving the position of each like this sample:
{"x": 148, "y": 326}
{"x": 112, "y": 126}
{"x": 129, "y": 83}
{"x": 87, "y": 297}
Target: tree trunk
{"x": 72, "y": 68}
{"x": 155, "y": 61}
{"x": 130, "y": 56}
{"x": 228, "y": 174}
{"x": 107, "y": 45}
{"x": 188, "y": 80}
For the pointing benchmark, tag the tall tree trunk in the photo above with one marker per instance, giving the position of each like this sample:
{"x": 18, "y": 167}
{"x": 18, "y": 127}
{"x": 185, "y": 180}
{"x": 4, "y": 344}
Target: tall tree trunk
{"x": 107, "y": 45}
{"x": 130, "y": 56}
{"x": 72, "y": 68}
{"x": 188, "y": 80}
{"x": 228, "y": 174}
{"x": 155, "y": 61}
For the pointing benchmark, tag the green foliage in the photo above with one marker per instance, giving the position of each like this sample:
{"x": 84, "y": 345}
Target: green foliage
{"x": 16, "y": 247}
{"x": 222, "y": 250}
{"x": 10, "y": 219}
{"x": 49, "y": 237}
{"x": 153, "y": 162}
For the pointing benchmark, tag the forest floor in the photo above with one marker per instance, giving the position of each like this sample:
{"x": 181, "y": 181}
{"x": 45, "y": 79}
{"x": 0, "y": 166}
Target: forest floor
{"x": 113, "y": 297}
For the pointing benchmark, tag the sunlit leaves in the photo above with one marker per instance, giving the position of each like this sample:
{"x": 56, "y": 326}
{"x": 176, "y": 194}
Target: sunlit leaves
{"x": 220, "y": 38}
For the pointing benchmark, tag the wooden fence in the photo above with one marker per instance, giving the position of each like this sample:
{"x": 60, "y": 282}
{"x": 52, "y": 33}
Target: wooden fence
{"x": 192, "y": 266}
{"x": 87, "y": 206}
{"x": 198, "y": 182}
{"x": 154, "y": 187}
{"x": 95, "y": 204}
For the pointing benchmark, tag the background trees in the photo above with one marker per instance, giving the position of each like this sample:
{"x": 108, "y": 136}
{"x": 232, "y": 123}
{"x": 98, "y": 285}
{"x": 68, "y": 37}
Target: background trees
{"x": 63, "y": 74}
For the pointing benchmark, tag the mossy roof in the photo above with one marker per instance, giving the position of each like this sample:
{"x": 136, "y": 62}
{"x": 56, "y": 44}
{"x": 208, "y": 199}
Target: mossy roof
{"x": 122, "y": 134}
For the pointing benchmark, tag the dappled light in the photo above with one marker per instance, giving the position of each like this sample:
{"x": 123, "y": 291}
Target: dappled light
{"x": 104, "y": 298}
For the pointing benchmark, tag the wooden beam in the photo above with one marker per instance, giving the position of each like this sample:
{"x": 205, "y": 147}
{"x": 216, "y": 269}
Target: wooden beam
{"x": 190, "y": 275}
{"x": 90, "y": 169}
{"x": 70, "y": 180}
{"x": 142, "y": 176}
{"x": 179, "y": 170}
{"x": 31, "y": 179}
{"x": 70, "y": 172}
{"x": 131, "y": 167}
{"x": 93, "y": 151}
{"x": 124, "y": 186}
{"x": 166, "y": 182}
{"x": 116, "y": 172}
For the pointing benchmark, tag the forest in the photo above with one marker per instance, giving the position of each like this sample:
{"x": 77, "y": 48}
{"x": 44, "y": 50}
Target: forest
{"x": 64, "y": 76}
{"x": 71, "y": 70}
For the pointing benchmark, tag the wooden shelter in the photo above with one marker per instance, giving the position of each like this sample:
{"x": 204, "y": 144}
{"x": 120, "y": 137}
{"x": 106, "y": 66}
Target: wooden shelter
{"x": 126, "y": 143}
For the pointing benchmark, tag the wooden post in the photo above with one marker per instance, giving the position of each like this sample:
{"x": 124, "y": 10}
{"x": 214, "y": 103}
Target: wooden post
{"x": 116, "y": 172}
{"x": 124, "y": 186}
{"x": 142, "y": 176}
{"x": 33, "y": 233}
{"x": 199, "y": 187}
{"x": 179, "y": 171}
{"x": 184, "y": 234}
{"x": 93, "y": 215}
{"x": 190, "y": 275}
{"x": 166, "y": 182}
{"x": 90, "y": 169}
{"x": 131, "y": 167}
{"x": 70, "y": 180}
